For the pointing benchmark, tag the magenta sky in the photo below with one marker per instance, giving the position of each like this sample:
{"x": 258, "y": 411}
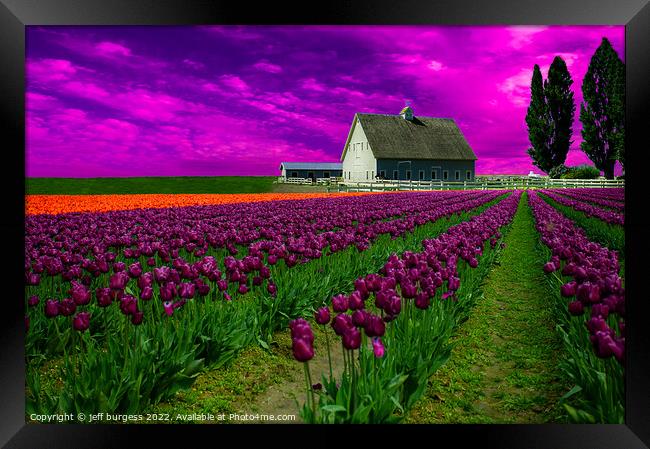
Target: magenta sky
{"x": 210, "y": 101}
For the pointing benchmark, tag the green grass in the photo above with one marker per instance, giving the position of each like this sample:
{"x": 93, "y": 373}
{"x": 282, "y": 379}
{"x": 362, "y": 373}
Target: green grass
{"x": 503, "y": 367}
{"x": 180, "y": 184}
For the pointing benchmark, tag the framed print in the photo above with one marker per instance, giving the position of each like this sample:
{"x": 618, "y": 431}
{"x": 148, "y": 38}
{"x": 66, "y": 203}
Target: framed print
{"x": 407, "y": 217}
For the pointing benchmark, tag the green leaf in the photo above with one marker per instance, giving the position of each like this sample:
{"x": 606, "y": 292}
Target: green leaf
{"x": 571, "y": 392}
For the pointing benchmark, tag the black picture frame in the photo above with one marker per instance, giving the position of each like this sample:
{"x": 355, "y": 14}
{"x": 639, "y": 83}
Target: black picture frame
{"x": 634, "y": 14}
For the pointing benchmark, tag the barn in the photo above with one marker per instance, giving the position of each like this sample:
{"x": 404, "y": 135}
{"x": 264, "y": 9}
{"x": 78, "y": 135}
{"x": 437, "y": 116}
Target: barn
{"x": 405, "y": 147}
{"x": 311, "y": 170}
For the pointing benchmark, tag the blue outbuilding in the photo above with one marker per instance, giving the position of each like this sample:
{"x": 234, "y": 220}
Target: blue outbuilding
{"x": 311, "y": 170}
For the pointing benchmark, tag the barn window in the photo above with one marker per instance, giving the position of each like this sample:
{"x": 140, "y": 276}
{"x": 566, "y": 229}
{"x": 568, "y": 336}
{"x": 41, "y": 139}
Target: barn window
{"x": 382, "y": 174}
{"x": 421, "y": 175}
{"x": 294, "y": 174}
{"x": 395, "y": 174}
{"x": 445, "y": 174}
{"x": 468, "y": 174}
{"x": 457, "y": 175}
{"x": 434, "y": 174}
{"x": 408, "y": 174}
{"x": 372, "y": 174}
{"x": 326, "y": 174}
{"x": 367, "y": 175}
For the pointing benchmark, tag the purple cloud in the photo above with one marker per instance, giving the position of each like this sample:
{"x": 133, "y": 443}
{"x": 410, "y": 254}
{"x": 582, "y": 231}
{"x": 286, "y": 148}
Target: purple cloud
{"x": 146, "y": 101}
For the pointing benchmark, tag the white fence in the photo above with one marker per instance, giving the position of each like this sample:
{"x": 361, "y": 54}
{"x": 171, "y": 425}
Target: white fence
{"x": 307, "y": 181}
{"x": 512, "y": 184}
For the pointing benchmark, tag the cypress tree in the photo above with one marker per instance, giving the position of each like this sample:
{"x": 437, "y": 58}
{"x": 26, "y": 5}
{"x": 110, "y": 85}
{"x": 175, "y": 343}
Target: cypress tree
{"x": 603, "y": 111}
{"x": 538, "y": 121}
{"x": 559, "y": 99}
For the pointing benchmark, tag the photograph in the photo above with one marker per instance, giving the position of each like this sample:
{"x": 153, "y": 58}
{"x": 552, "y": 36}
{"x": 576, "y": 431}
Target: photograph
{"x": 325, "y": 224}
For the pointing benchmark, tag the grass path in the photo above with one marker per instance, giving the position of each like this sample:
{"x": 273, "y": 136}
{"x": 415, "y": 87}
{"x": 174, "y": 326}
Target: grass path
{"x": 503, "y": 368}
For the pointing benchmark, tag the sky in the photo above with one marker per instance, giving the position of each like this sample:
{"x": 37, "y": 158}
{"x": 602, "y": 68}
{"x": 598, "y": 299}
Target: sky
{"x": 118, "y": 101}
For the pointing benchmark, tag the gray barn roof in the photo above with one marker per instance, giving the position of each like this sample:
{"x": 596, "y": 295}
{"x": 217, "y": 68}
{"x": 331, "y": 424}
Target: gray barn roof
{"x": 392, "y": 137}
{"x": 311, "y": 165}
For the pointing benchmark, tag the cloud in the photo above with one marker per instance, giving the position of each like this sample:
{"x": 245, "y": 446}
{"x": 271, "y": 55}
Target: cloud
{"x": 112, "y": 49}
{"x": 266, "y": 66}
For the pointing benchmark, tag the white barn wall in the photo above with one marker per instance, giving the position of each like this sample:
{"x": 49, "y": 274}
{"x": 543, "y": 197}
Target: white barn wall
{"x": 359, "y": 163}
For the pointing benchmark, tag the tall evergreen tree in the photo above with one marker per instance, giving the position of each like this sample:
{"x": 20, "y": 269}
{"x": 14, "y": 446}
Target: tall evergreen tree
{"x": 538, "y": 121}
{"x": 603, "y": 111}
{"x": 559, "y": 98}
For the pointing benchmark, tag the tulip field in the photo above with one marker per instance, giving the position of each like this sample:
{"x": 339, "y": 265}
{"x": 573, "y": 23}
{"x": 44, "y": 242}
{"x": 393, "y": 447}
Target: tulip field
{"x": 130, "y": 300}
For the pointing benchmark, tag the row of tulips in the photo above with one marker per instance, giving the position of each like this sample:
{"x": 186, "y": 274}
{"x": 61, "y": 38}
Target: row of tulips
{"x": 208, "y": 331}
{"x": 62, "y": 204}
{"x": 591, "y": 312}
{"x": 395, "y": 325}
{"x": 606, "y": 215}
{"x": 595, "y": 196}
{"x": 61, "y": 255}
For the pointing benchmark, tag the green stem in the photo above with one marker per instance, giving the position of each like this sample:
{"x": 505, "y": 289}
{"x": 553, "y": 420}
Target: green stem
{"x": 329, "y": 355}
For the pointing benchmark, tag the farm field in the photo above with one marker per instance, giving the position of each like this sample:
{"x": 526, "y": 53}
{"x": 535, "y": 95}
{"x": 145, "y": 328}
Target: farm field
{"x": 410, "y": 307}
{"x": 151, "y": 184}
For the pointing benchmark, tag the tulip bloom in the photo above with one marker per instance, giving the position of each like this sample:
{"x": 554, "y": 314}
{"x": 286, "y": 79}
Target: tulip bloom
{"x": 51, "y": 308}
{"x": 322, "y": 315}
{"x": 378, "y": 347}
{"x": 146, "y": 293}
{"x": 340, "y": 303}
{"x": 169, "y": 309}
{"x": 81, "y": 321}
{"x": 352, "y": 338}
{"x": 67, "y": 307}
{"x": 32, "y": 301}
{"x": 303, "y": 351}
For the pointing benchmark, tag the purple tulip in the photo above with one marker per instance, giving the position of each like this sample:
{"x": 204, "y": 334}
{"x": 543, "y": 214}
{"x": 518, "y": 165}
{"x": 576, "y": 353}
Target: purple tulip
{"x": 128, "y": 305}
{"x": 169, "y": 308}
{"x": 161, "y": 274}
{"x": 227, "y": 297}
{"x": 378, "y": 347}
{"x": 341, "y": 323}
{"x": 118, "y": 267}
{"x": 135, "y": 270}
{"x": 81, "y": 321}
{"x": 272, "y": 288}
{"x": 33, "y": 279}
{"x": 422, "y": 300}
{"x": 146, "y": 294}
{"x": 568, "y": 289}
{"x": 322, "y": 315}
{"x": 222, "y": 285}
{"x": 137, "y": 317}
{"x": 67, "y": 307}
{"x": 394, "y": 306}
{"x": 352, "y": 338}
{"x": 408, "y": 290}
{"x": 104, "y": 297}
{"x": 576, "y": 308}
{"x": 359, "y": 318}
{"x": 186, "y": 290}
{"x": 243, "y": 289}
{"x": 80, "y": 294}
{"x": 51, "y": 308}
{"x": 340, "y": 303}
{"x": 355, "y": 302}
{"x": 32, "y": 301}
{"x": 303, "y": 351}
{"x": 118, "y": 280}
{"x": 375, "y": 326}
{"x": 549, "y": 267}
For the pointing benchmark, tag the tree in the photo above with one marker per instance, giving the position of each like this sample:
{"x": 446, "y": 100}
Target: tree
{"x": 559, "y": 98}
{"x": 603, "y": 111}
{"x": 538, "y": 121}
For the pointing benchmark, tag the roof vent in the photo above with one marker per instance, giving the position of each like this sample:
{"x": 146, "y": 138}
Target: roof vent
{"x": 407, "y": 113}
